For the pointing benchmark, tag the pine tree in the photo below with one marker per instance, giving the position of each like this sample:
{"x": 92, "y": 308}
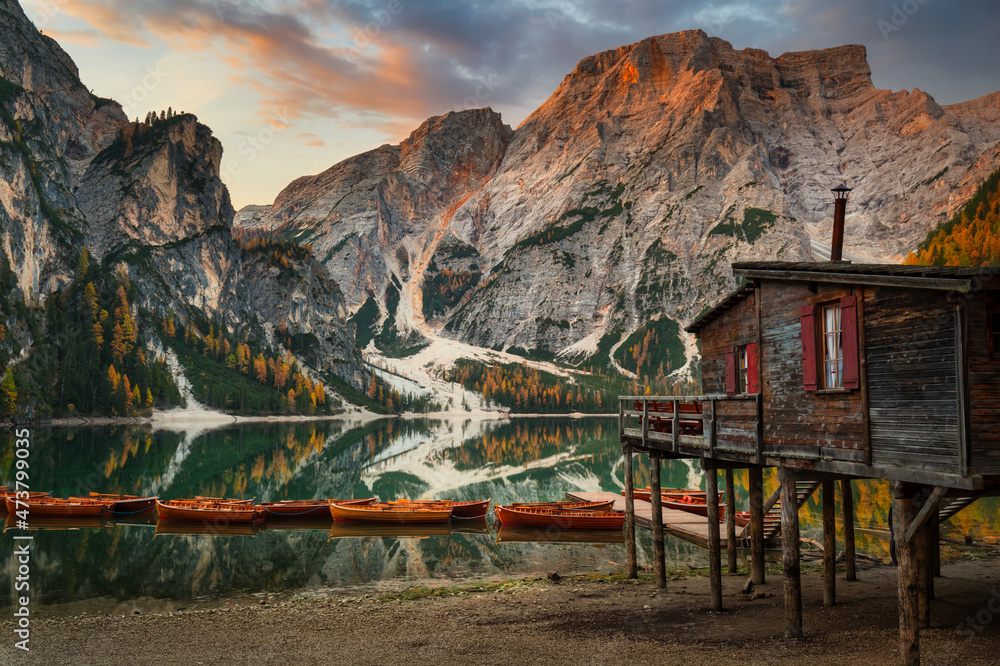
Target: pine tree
{"x": 8, "y": 394}
{"x": 84, "y": 262}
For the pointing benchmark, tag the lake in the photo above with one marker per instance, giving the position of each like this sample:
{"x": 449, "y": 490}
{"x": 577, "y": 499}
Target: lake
{"x": 509, "y": 461}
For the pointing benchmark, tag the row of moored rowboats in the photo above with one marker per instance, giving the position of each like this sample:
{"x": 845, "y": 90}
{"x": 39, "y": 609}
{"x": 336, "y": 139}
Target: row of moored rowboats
{"x": 568, "y": 515}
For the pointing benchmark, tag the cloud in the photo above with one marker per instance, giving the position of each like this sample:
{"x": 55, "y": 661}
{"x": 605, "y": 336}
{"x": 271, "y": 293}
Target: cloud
{"x": 398, "y": 61}
{"x": 87, "y": 38}
{"x": 311, "y": 140}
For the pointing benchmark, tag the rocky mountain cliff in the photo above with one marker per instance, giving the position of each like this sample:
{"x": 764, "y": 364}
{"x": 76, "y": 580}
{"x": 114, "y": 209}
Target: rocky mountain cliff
{"x": 147, "y": 202}
{"x": 626, "y": 195}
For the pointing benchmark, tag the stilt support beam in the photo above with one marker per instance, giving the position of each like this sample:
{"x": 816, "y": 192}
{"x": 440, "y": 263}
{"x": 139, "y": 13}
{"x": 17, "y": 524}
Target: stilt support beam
{"x": 904, "y": 514}
{"x": 731, "y": 521}
{"x": 829, "y": 546}
{"x": 790, "y": 554}
{"x": 659, "y": 556}
{"x": 847, "y": 509}
{"x": 714, "y": 538}
{"x": 756, "y": 525}
{"x": 629, "y": 481}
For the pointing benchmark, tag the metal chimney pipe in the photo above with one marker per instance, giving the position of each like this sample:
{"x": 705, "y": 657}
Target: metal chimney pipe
{"x": 839, "y": 215}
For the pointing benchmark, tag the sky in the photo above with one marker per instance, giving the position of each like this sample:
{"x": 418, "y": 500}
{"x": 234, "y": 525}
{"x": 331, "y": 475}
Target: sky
{"x": 291, "y": 87}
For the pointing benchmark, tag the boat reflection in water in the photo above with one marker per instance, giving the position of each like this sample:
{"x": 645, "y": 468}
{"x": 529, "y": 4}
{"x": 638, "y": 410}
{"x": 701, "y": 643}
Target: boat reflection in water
{"x": 514, "y": 534}
{"x": 59, "y": 522}
{"x": 189, "y": 528}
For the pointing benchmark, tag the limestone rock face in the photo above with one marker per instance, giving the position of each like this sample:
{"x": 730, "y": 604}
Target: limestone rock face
{"x": 147, "y": 201}
{"x": 50, "y": 129}
{"x": 626, "y": 195}
{"x": 382, "y": 213}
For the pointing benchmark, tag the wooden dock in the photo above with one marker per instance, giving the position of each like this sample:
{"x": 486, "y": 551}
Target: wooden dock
{"x": 681, "y": 524}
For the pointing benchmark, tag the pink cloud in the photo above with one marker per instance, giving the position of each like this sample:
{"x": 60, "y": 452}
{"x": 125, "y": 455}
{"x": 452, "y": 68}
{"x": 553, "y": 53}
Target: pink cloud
{"x": 277, "y": 54}
{"x": 311, "y": 140}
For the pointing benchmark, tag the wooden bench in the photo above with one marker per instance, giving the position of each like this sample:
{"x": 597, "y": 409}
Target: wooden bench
{"x": 661, "y": 416}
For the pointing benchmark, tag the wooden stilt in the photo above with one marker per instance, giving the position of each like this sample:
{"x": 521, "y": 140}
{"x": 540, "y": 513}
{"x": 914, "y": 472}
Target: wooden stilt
{"x": 930, "y": 546}
{"x": 756, "y": 525}
{"x": 935, "y": 546}
{"x": 921, "y": 551}
{"x": 829, "y": 546}
{"x": 659, "y": 557}
{"x": 909, "y": 633}
{"x": 731, "y": 521}
{"x": 790, "y": 554}
{"x": 629, "y": 481}
{"x": 714, "y": 538}
{"x": 847, "y": 510}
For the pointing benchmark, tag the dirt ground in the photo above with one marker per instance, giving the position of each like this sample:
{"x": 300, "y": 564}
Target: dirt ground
{"x": 577, "y": 620}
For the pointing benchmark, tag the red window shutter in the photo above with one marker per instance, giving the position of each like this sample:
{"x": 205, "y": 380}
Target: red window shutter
{"x": 849, "y": 340}
{"x": 752, "y": 385}
{"x": 730, "y": 370}
{"x": 807, "y": 316}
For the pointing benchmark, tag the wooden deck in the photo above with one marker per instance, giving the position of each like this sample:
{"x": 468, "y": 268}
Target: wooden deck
{"x": 681, "y": 524}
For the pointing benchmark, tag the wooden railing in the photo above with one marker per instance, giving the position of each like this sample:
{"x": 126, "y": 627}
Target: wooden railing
{"x": 694, "y": 424}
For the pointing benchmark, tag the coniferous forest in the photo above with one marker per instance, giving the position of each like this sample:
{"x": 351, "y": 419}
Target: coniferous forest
{"x": 971, "y": 237}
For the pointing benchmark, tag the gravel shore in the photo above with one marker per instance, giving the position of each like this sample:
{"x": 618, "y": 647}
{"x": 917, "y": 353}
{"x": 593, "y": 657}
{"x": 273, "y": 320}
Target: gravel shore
{"x": 576, "y": 620}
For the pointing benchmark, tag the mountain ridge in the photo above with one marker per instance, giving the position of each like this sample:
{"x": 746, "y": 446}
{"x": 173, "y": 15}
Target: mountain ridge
{"x": 625, "y": 195}
{"x": 100, "y": 212}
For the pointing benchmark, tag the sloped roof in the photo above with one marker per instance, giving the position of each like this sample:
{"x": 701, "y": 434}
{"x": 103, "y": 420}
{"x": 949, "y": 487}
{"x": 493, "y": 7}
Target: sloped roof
{"x": 961, "y": 280}
{"x": 731, "y": 299}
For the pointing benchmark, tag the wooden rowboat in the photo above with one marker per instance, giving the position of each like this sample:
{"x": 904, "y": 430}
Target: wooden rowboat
{"x": 560, "y": 518}
{"x": 216, "y": 513}
{"x": 122, "y": 503}
{"x": 392, "y": 514}
{"x": 465, "y": 510}
{"x": 568, "y": 505}
{"x": 699, "y": 506}
{"x": 295, "y": 509}
{"x": 6, "y": 492}
{"x": 53, "y": 506}
{"x": 645, "y": 494}
{"x": 218, "y": 500}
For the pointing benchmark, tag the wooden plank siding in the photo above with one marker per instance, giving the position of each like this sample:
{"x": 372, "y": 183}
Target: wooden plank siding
{"x": 984, "y": 386}
{"x": 912, "y": 379}
{"x": 927, "y": 406}
{"x": 737, "y": 327}
{"x": 796, "y": 421}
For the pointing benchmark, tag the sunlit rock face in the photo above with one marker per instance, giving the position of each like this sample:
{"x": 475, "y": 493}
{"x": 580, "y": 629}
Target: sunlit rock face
{"x": 627, "y": 194}
{"x": 146, "y": 200}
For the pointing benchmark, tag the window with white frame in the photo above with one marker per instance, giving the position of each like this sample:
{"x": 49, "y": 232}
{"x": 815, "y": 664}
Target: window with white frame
{"x": 833, "y": 348}
{"x": 741, "y": 353}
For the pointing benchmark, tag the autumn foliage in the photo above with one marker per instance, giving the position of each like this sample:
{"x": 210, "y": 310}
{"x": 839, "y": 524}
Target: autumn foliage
{"x": 971, "y": 237}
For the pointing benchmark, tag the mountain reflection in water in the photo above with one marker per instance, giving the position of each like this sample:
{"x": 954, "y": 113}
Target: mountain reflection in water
{"x": 509, "y": 461}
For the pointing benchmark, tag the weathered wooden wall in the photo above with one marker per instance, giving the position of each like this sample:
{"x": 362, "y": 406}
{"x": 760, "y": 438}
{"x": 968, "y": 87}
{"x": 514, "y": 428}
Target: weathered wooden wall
{"x": 913, "y": 398}
{"x": 826, "y": 424}
{"x": 983, "y": 386}
{"x": 913, "y": 371}
{"x": 736, "y": 327}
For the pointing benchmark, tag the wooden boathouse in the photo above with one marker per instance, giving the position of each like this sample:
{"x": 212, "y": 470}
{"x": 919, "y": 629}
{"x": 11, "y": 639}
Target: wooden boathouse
{"x": 830, "y": 372}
